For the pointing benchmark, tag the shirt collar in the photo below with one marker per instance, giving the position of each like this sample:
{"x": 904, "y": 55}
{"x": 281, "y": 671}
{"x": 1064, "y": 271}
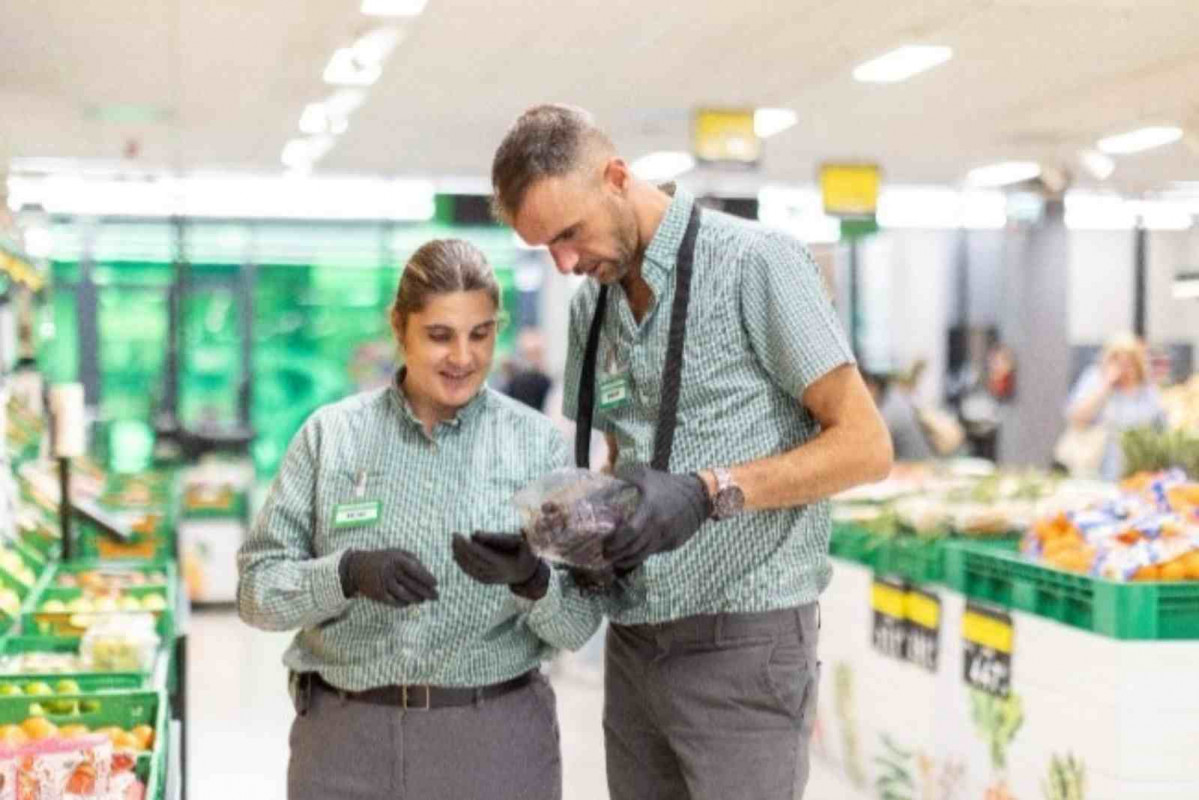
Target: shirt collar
{"x": 467, "y": 412}
{"x": 663, "y": 249}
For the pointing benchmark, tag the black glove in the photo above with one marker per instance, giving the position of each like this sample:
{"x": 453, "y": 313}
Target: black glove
{"x": 394, "y": 577}
{"x": 671, "y": 510}
{"x": 499, "y": 558}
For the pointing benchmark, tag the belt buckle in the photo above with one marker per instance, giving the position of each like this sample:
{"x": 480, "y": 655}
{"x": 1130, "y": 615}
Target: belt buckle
{"x": 404, "y": 696}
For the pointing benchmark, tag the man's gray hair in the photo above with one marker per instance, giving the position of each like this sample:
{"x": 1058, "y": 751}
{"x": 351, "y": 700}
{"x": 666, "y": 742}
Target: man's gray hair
{"x": 546, "y": 141}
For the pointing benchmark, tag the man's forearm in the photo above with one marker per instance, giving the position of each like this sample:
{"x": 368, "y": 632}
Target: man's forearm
{"x": 838, "y": 459}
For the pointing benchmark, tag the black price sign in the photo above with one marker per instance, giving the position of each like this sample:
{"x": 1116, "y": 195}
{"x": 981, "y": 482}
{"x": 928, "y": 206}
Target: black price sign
{"x": 987, "y": 650}
{"x": 890, "y": 632}
{"x": 923, "y": 613}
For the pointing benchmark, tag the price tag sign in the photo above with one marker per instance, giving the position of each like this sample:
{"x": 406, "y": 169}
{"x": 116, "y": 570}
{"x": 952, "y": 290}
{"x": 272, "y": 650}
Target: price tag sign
{"x": 987, "y": 637}
{"x": 890, "y": 630}
{"x": 922, "y": 611}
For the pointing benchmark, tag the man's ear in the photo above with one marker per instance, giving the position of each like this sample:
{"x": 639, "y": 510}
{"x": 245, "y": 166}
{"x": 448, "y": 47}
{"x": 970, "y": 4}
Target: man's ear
{"x": 617, "y": 174}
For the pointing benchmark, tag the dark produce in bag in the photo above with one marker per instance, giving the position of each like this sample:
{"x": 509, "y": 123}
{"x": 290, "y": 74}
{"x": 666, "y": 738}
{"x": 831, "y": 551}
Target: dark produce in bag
{"x": 568, "y": 514}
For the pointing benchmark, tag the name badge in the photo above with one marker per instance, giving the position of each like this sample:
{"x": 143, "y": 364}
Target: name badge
{"x": 356, "y": 515}
{"x": 615, "y": 391}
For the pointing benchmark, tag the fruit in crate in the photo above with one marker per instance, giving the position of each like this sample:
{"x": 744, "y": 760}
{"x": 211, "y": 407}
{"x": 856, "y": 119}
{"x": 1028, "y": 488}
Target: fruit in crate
{"x": 39, "y": 689}
{"x": 137, "y": 740}
{"x": 10, "y": 562}
{"x": 54, "y": 607}
{"x": 129, "y": 603}
{"x": 38, "y": 728}
{"x": 67, "y": 687}
{"x": 154, "y": 602}
{"x": 10, "y": 690}
{"x": 13, "y": 735}
{"x": 10, "y": 602}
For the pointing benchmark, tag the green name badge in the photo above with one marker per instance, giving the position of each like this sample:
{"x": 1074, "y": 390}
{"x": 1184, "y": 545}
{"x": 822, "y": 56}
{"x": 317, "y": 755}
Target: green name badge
{"x": 355, "y": 515}
{"x": 614, "y": 391}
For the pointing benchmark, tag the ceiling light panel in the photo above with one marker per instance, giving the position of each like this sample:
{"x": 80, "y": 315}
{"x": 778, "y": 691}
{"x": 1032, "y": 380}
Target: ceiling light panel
{"x": 1140, "y": 140}
{"x": 902, "y": 63}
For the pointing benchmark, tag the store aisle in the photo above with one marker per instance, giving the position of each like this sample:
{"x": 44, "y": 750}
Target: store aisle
{"x": 240, "y": 714}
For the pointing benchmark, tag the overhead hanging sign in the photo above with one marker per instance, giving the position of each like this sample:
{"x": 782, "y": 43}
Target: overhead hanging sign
{"x": 725, "y": 136}
{"x": 20, "y": 271}
{"x": 850, "y": 190}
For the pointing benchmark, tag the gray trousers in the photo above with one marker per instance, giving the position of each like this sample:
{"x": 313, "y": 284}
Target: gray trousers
{"x": 711, "y": 708}
{"x": 501, "y": 749}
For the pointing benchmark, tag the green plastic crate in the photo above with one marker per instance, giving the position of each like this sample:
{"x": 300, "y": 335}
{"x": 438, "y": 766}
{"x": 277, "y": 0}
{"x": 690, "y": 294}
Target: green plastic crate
{"x": 77, "y": 566}
{"x": 36, "y": 621}
{"x": 1110, "y": 608}
{"x": 23, "y": 643}
{"x": 125, "y": 710}
{"x": 854, "y": 543}
{"x": 915, "y": 560}
{"x": 89, "y": 682}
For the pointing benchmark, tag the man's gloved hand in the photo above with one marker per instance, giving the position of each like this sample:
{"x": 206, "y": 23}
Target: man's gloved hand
{"x": 671, "y": 510}
{"x": 394, "y": 577}
{"x": 502, "y": 558}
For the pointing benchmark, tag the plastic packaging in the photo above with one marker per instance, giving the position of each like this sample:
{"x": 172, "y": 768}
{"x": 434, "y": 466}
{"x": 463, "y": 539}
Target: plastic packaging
{"x": 120, "y": 643}
{"x": 569, "y": 512}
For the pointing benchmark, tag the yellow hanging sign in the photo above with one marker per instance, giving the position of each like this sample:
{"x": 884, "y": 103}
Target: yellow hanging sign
{"x": 850, "y": 190}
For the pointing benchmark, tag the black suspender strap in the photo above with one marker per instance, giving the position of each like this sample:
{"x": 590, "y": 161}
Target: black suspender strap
{"x": 668, "y": 404}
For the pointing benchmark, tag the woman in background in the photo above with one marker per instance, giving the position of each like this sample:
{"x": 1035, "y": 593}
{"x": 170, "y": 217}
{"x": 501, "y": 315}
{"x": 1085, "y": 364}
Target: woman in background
{"x": 1115, "y": 395}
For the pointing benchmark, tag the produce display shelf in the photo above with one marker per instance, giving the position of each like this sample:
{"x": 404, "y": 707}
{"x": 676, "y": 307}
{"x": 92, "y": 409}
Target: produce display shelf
{"x": 1138, "y": 610}
{"x": 74, "y": 623}
{"x": 125, "y": 710}
{"x": 15, "y": 645}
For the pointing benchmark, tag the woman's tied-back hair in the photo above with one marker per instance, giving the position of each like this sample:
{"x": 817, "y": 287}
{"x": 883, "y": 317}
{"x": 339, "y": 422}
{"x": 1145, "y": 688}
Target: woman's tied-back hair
{"x": 441, "y": 266}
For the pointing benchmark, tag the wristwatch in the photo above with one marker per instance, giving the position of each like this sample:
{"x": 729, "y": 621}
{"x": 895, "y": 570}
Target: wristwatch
{"x": 729, "y": 500}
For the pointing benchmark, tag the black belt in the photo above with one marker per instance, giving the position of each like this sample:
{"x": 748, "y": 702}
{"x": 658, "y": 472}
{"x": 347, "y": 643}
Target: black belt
{"x": 419, "y": 696}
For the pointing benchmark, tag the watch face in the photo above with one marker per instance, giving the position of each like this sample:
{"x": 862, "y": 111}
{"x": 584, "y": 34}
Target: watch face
{"x": 729, "y": 501}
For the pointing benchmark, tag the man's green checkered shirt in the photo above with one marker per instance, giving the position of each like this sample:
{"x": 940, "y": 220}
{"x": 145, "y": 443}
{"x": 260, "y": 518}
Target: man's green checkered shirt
{"x": 760, "y": 329}
{"x": 371, "y": 447}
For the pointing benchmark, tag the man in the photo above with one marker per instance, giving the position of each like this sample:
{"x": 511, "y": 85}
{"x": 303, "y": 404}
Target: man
{"x": 529, "y": 382}
{"x": 711, "y": 675}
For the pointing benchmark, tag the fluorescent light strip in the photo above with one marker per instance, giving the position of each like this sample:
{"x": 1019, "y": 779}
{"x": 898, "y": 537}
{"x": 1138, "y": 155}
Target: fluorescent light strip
{"x": 229, "y": 196}
{"x": 1100, "y": 165}
{"x": 1139, "y": 140}
{"x": 935, "y": 208}
{"x": 343, "y": 69}
{"x": 1003, "y": 174}
{"x": 902, "y": 63}
{"x": 771, "y": 121}
{"x": 663, "y": 165}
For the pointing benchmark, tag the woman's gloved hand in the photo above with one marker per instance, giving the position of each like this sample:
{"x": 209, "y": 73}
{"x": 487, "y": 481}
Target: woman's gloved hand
{"x": 502, "y": 558}
{"x": 393, "y": 577}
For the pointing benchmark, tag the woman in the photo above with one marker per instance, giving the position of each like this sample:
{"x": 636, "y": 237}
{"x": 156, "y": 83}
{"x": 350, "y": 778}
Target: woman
{"x": 411, "y": 679}
{"x": 1114, "y": 396}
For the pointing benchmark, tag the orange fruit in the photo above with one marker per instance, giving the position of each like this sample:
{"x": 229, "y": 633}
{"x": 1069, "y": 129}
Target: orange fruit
{"x": 1150, "y": 573}
{"x": 72, "y": 731}
{"x": 13, "y": 735}
{"x": 38, "y": 728}
{"x": 1173, "y": 571}
{"x": 1190, "y": 563}
{"x": 111, "y": 731}
{"x": 122, "y": 740}
{"x": 144, "y": 735}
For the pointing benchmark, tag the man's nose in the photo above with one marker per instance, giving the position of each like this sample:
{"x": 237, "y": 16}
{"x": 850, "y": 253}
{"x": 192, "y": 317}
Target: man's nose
{"x": 565, "y": 258}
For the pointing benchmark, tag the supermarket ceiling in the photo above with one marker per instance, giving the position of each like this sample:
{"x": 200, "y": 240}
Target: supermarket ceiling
{"x": 223, "y": 83}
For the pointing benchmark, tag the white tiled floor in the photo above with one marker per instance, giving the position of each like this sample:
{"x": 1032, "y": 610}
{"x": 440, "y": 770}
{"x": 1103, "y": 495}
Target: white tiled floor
{"x": 240, "y": 713}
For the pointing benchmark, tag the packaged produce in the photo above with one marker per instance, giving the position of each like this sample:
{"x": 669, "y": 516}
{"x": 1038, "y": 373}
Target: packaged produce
{"x": 568, "y": 514}
{"x": 1149, "y": 532}
{"x": 57, "y": 768}
{"x": 120, "y": 643}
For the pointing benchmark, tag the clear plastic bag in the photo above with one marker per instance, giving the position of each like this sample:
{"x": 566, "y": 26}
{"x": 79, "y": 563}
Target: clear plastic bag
{"x": 120, "y": 643}
{"x": 567, "y": 515}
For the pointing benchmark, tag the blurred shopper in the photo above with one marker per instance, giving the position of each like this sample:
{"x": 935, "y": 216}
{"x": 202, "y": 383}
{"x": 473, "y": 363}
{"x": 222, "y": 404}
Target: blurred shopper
{"x": 529, "y": 383}
{"x": 707, "y": 350}
{"x": 1112, "y": 396}
{"x": 409, "y": 678}
{"x": 907, "y": 437}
